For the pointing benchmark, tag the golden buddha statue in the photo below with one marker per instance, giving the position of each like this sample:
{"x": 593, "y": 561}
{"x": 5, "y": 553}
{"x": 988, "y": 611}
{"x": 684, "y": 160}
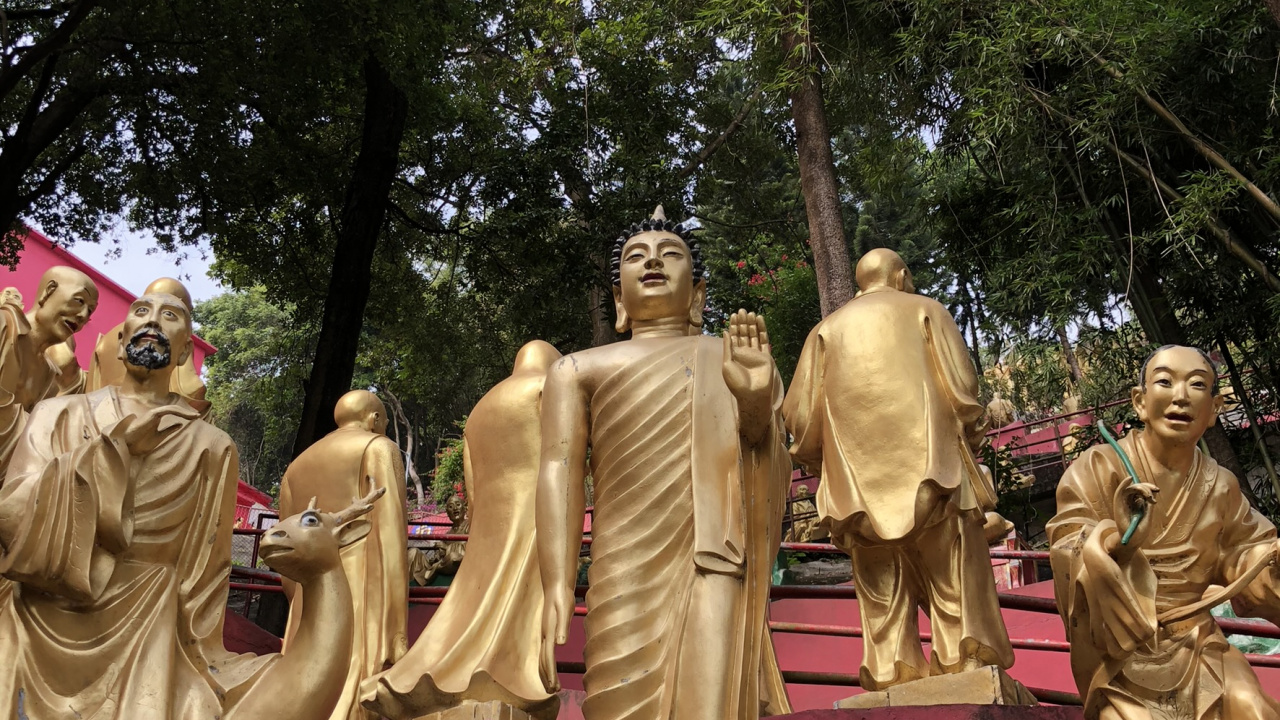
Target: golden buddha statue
{"x": 108, "y": 369}
{"x": 482, "y": 644}
{"x": 691, "y": 478}
{"x": 338, "y": 467}
{"x": 115, "y": 526}
{"x": 884, "y": 406}
{"x": 1130, "y": 573}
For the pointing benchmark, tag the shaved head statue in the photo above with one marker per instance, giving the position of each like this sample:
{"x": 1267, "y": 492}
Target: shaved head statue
{"x": 882, "y": 267}
{"x": 361, "y": 408}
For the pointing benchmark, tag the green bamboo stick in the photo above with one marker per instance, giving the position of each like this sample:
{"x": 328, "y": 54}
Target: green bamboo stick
{"x": 1133, "y": 475}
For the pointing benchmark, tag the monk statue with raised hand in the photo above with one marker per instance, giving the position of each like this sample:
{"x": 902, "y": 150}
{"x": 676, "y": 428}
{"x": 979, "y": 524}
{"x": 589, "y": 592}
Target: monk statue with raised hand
{"x": 691, "y": 477}
{"x": 482, "y": 646}
{"x": 1145, "y": 526}
{"x": 115, "y": 526}
{"x": 884, "y": 407}
{"x": 107, "y": 369}
{"x": 349, "y": 462}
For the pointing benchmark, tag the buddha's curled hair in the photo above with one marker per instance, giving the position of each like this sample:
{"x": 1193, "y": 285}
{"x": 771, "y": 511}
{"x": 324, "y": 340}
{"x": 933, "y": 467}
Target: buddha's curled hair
{"x": 657, "y": 225}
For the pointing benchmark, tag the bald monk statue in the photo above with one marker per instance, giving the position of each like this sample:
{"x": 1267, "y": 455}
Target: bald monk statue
{"x": 28, "y": 374}
{"x": 115, "y": 523}
{"x": 1143, "y": 643}
{"x": 884, "y": 406}
{"x": 691, "y": 478}
{"x": 482, "y": 643}
{"x": 108, "y": 369}
{"x": 348, "y": 463}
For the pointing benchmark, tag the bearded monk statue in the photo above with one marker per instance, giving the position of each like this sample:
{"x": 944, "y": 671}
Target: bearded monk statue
{"x": 1145, "y": 526}
{"x": 482, "y": 644}
{"x": 115, "y": 526}
{"x": 106, "y": 369}
{"x": 884, "y": 406}
{"x": 691, "y": 478}
{"x": 350, "y": 462}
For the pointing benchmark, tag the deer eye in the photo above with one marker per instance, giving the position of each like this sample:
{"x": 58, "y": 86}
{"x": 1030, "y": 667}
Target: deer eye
{"x": 309, "y": 520}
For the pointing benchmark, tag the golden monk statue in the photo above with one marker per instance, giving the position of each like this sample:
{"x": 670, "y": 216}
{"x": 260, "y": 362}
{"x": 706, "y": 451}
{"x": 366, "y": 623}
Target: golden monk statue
{"x": 482, "y": 644}
{"x": 884, "y": 406}
{"x": 338, "y": 467}
{"x": 115, "y": 526}
{"x": 30, "y": 341}
{"x": 1130, "y": 573}
{"x": 107, "y": 369}
{"x": 691, "y": 478}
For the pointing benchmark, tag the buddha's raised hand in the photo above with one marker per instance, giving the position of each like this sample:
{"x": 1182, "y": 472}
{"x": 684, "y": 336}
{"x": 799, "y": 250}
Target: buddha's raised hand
{"x": 749, "y": 371}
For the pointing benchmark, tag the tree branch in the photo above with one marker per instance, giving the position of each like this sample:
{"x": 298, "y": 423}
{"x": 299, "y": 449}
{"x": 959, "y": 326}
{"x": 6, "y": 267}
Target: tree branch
{"x": 12, "y": 75}
{"x": 714, "y": 145}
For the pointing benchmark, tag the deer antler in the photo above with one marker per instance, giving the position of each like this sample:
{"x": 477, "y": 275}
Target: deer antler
{"x": 360, "y": 506}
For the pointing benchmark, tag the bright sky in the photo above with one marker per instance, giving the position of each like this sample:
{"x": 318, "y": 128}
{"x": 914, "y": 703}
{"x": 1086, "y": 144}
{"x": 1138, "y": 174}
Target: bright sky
{"x": 140, "y": 262}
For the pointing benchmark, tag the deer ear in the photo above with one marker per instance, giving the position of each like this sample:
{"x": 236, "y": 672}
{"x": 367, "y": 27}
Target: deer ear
{"x": 350, "y": 532}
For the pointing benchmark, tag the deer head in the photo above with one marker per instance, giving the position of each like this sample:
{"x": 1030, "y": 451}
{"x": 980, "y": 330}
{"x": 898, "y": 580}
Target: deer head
{"x": 305, "y": 545}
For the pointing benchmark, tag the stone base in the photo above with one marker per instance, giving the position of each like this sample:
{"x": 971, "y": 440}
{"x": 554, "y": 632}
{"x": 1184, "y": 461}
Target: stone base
{"x": 985, "y": 686}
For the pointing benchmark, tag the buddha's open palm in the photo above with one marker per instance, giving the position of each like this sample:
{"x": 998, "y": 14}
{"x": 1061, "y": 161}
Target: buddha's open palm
{"x": 748, "y": 357}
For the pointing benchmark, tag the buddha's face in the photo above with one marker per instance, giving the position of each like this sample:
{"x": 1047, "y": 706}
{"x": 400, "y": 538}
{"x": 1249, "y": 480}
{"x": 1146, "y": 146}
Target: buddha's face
{"x": 156, "y": 333}
{"x": 67, "y": 309}
{"x": 1176, "y": 401}
{"x": 656, "y": 277}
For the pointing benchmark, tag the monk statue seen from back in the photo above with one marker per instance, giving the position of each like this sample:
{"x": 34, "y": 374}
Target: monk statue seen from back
{"x": 351, "y": 462}
{"x": 884, "y": 406}
{"x": 106, "y": 369}
{"x": 691, "y": 476}
{"x": 115, "y": 526}
{"x": 1144, "y": 528}
{"x": 482, "y": 644}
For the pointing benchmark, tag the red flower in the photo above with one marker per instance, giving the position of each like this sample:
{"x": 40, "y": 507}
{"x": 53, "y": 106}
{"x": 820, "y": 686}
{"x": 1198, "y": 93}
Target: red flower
{"x": 784, "y": 258}
{"x": 742, "y": 264}
{"x": 802, "y": 264}
{"x": 755, "y": 279}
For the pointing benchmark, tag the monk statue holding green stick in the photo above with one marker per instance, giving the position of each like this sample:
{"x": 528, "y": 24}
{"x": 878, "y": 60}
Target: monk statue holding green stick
{"x": 1145, "y": 526}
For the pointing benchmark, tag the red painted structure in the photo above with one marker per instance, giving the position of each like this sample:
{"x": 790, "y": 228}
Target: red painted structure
{"x": 39, "y": 253}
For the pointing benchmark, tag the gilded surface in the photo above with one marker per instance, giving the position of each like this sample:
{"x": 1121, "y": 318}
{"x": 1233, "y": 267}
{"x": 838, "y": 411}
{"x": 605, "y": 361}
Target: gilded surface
{"x": 482, "y": 643}
{"x": 884, "y": 407}
{"x": 107, "y": 367}
{"x": 690, "y": 479}
{"x": 338, "y": 467}
{"x": 1198, "y": 531}
{"x": 115, "y": 526}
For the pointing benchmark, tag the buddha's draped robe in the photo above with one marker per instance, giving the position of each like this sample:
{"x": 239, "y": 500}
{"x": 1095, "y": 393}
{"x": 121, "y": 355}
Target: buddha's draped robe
{"x": 686, "y": 526}
{"x": 106, "y": 368}
{"x": 335, "y": 470}
{"x": 884, "y": 407}
{"x": 1205, "y": 534}
{"x": 120, "y": 566}
{"x": 482, "y": 643}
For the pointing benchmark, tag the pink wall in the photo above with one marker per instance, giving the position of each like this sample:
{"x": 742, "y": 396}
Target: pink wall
{"x": 39, "y": 254}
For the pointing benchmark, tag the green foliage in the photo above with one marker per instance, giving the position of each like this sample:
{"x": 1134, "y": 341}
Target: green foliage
{"x": 449, "y": 477}
{"x": 254, "y": 381}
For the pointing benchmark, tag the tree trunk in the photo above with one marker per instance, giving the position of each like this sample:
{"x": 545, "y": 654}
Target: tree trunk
{"x": 1073, "y": 363}
{"x": 818, "y": 184}
{"x": 360, "y": 223}
{"x": 1274, "y": 7}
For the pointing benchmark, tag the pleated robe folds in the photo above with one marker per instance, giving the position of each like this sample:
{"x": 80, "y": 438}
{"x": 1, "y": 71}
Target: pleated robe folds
{"x": 686, "y": 527}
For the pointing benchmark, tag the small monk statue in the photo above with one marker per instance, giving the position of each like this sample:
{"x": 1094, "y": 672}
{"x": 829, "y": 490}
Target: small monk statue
{"x": 106, "y": 369}
{"x": 884, "y": 406}
{"x": 806, "y": 527}
{"x": 442, "y": 557}
{"x": 1144, "y": 527}
{"x": 691, "y": 479}
{"x": 347, "y": 463}
{"x": 115, "y": 526}
{"x": 483, "y": 642}
{"x": 29, "y": 342}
